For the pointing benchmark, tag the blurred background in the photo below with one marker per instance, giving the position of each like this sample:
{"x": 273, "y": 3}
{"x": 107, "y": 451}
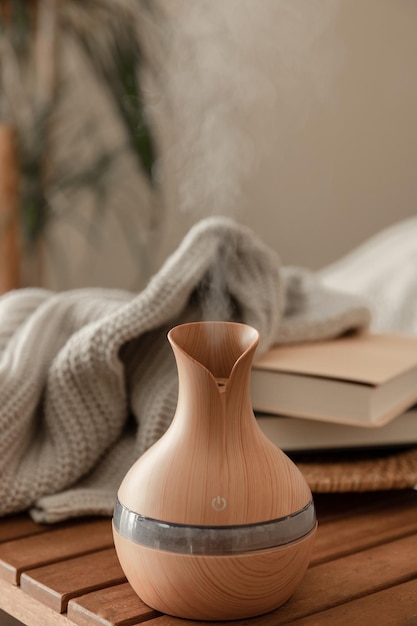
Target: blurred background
{"x": 123, "y": 122}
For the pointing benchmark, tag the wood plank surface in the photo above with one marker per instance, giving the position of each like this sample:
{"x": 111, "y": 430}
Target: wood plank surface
{"x": 20, "y": 555}
{"x": 117, "y": 606}
{"x": 334, "y": 583}
{"x": 54, "y": 585}
{"x": 367, "y": 528}
{"x": 353, "y": 576}
{"x": 364, "y": 567}
{"x": 27, "y": 610}
{"x": 19, "y": 526}
{"x": 391, "y": 607}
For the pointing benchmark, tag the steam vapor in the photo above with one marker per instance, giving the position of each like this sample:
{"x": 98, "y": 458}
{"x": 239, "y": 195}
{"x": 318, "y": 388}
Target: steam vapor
{"x": 233, "y": 68}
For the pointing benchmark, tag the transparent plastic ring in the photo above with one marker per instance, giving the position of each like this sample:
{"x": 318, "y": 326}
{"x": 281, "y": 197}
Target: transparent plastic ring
{"x": 213, "y": 540}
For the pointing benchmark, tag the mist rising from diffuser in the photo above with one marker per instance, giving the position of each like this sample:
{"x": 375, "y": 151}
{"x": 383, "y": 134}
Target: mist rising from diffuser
{"x": 232, "y": 70}
{"x": 232, "y": 66}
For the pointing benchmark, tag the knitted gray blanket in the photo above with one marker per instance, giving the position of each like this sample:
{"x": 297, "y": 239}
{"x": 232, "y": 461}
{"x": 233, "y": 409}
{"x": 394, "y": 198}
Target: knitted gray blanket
{"x": 87, "y": 378}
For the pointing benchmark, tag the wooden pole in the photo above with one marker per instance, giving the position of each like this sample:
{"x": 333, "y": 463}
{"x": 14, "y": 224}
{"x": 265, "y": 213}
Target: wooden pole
{"x": 9, "y": 211}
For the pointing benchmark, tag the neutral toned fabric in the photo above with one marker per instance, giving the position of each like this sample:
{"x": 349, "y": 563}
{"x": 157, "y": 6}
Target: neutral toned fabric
{"x": 88, "y": 380}
{"x": 383, "y": 272}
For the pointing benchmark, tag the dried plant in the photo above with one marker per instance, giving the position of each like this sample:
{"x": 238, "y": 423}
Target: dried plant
{"x": 116, "y": 55}
{"x": 71, "y": 85}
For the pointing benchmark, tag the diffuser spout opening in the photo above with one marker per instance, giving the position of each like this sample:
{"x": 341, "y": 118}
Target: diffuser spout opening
{"x": 217, "y": 346}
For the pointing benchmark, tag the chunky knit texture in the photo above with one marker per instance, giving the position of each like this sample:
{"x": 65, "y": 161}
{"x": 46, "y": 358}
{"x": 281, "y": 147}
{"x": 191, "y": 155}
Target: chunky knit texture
{"x": 88, "y": 379}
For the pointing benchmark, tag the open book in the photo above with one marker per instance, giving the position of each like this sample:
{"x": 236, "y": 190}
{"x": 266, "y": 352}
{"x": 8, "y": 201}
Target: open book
{"x": 363, "y": 379}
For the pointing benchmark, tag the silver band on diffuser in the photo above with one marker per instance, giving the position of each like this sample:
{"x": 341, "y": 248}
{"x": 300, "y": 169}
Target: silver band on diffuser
{"x": 213, "y": 540}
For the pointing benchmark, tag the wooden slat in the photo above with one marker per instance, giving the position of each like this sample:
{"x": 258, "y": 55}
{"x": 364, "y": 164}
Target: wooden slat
{"x": 359, "y": 574}
{"x": 335, "y": 583}
{"x": 397, "y": 605}
{"x": 116, "y": 606}
{"x": 24, "y": 554}
{"x": 19, "y": 526}
{"x": 168, "y": 620}
{"x": 27, "y": 610}
{"x": 364, "y": 530}
{"x": 362, "y": 584}
{"x": 54, "y": 585}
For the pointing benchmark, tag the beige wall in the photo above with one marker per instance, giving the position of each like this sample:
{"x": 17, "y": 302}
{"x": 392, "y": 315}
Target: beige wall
{"x": 346, "y": 162}
{"x": 323, "y": 109}
{"x": 297, "y": 117}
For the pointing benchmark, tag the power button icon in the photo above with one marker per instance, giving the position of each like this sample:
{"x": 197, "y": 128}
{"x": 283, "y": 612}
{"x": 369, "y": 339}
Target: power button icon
{"x": 218, "y": 503}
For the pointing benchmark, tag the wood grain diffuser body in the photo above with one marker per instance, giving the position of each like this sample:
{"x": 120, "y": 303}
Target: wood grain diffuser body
{"x": 214, "y": 522}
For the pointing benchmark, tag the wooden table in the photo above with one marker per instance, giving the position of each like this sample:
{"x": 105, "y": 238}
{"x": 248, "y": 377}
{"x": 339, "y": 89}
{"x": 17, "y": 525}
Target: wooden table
{"x": 364, "y": 568}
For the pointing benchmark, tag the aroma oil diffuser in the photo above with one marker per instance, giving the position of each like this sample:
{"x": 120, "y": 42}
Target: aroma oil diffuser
{"x": 214, "y": 521}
